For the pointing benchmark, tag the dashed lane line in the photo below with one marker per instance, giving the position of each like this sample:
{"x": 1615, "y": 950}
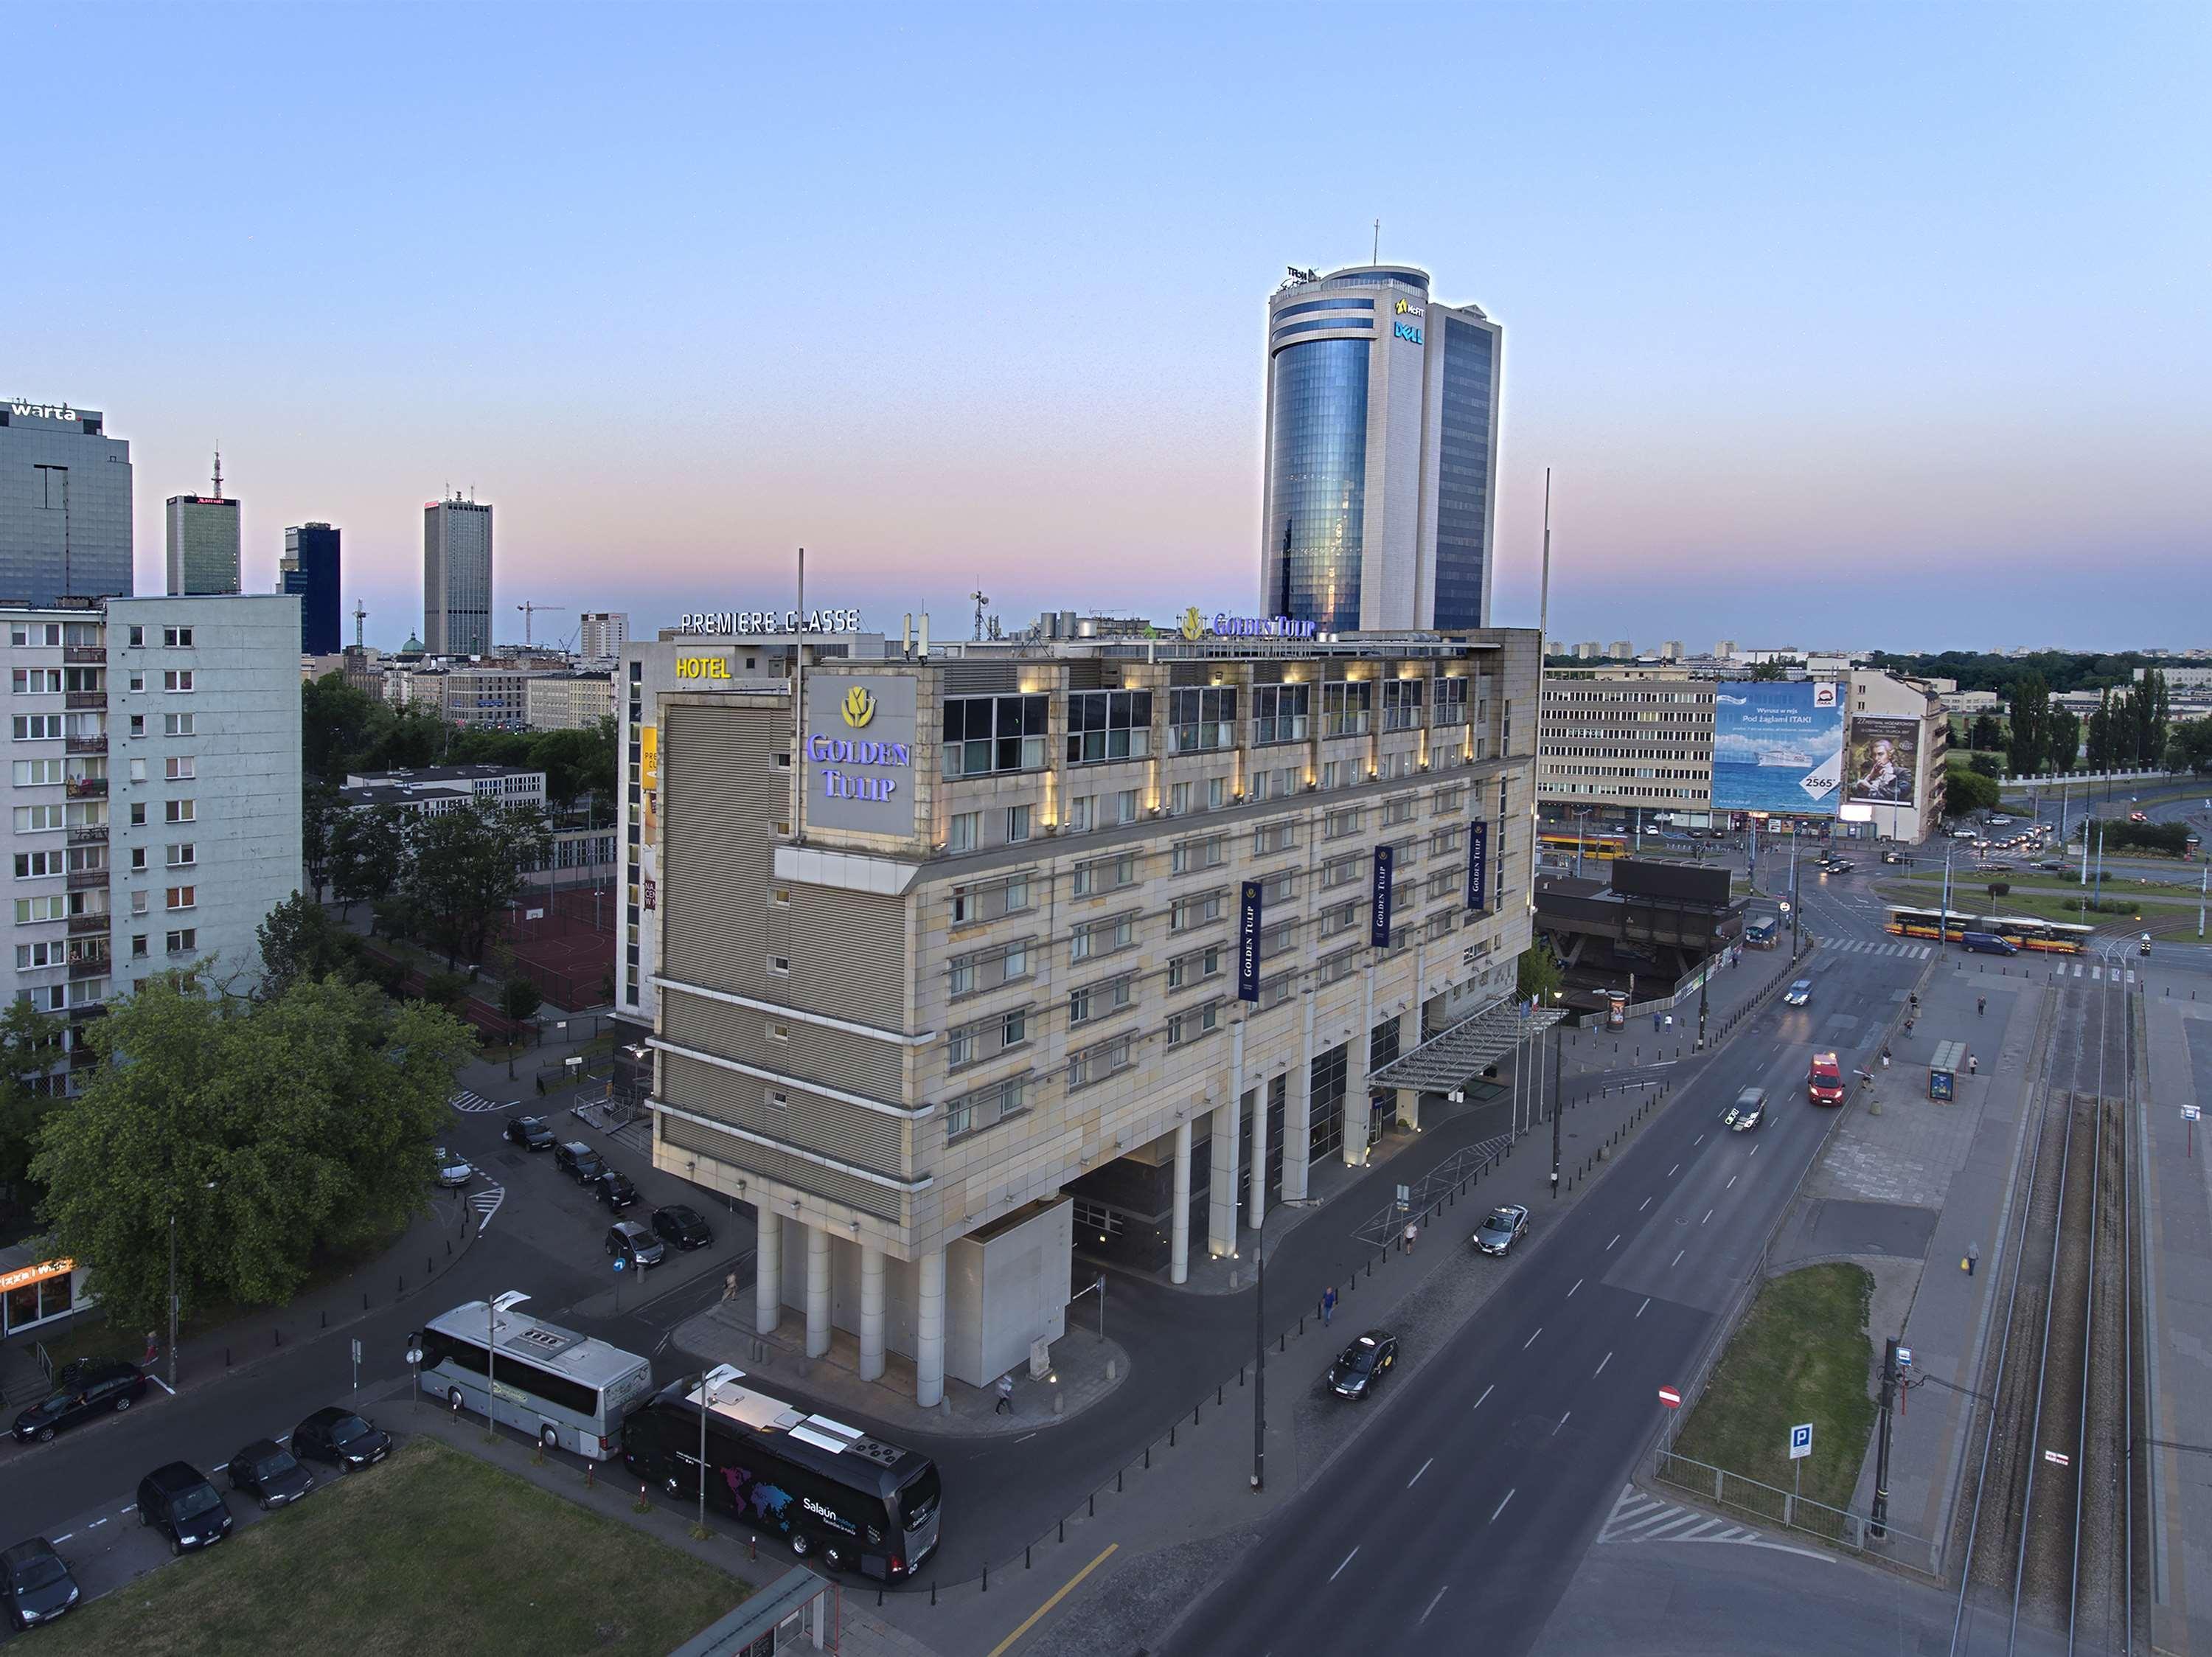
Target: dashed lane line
{"x": 1672, "y": 1172}
{"x": 1425, "y": 1467}
{"x": 1563, "y": 1422}
{"x": 1499, "y": 1508}
{"x": 1348, "y": 1558}
{"x": 1578, "y": 1283}
{"x": 1486, "y": 1391}
{"x": 1432, "y": 1604}
{"x": 1616, "y": 1238}
{"x": 1677, "y": 1260}
{"x": 1707, "y": 1219}
{"x": 1641, "y": 1309}
{"x": 1531, "y": 1340}
{"x": 1602, "y": 1363}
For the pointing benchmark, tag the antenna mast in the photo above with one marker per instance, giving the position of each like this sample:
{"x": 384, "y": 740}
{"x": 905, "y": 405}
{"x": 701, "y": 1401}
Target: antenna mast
{"x": 360, "y": 615}
{"x": 981, "y": 599}
{"x": 1377, "y": 258}
{"x": 218, "y": 474}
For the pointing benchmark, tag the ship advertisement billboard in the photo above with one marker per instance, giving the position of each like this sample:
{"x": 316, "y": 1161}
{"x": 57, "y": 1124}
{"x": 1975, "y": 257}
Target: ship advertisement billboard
{"x": 1779, "y": 746}
{"x": 1885, "y": 760}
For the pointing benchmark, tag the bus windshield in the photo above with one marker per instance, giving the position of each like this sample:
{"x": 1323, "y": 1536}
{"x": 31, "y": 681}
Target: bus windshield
{"x": 918, "y": 1498}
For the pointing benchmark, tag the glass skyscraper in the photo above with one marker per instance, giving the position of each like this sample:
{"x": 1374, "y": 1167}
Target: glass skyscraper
{"x": 65, "y": 504}
{"x": 310, "y": 568}
{"x": 1382, "y": 454}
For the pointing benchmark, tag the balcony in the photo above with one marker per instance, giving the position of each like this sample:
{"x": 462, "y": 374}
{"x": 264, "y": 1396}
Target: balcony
{"x": 81, "y": 924}
{"x": 91, "y": 969}
{"x": 88, "y": 834}
{"x": 88, "y": 655}
{"x": 91, "y": 1010}
{"x": 87, "y": 788}
{"x": 88, "y": 745}
{"x": 84, "y": 699}
{"x": 87, "y": 880}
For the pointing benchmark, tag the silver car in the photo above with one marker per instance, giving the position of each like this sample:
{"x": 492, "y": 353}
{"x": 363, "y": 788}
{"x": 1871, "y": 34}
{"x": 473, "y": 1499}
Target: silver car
{"x": 452, "y": 1171}
{"x": 1798, "y": 993}
{"x": 1505, "y": 1225}
{"x": 1747, "y": 1112}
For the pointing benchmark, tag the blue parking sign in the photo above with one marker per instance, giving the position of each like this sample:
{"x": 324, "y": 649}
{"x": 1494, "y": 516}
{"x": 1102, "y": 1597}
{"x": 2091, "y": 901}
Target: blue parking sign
{"x": 1801, "y": 1441}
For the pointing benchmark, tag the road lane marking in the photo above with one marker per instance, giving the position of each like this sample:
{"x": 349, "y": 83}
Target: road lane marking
{"x": 63, "y": 1537}
{"x": 97, "y": 1523}
{"x": 1500, "y": 1507}
{"x": 1707, "y": 1219}
{"x": 1644, "y": 1204}
{"x": 1731, "y": 1184}
{"x": 1066, "y": 1588}
{"x": 1571, "y": 1293}
{"x": 1640, "y": 1310}
{"x": 1672, "y": 1172}
{"x": 1754, "y": 1150}
{"x": 1677, "y": 1260}
{"x": 1616, "y": 1238}
{"x": 1531, "y": 1340}
{"x": 1348, "y": 1558}
{"x": 1432, "y": 1604}
{"x": 1563, "y": 1422}
{"x": 1602, "y": 1363}
{"x": 1486, "y": 1391}
{"x": 1698, "y": 1140}
{"x": 1416, "y": 1478}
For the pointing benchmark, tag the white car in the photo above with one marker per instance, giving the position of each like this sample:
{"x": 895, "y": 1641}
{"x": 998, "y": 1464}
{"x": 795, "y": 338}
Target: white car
{"x": 1999, "y": 822}
{"x": 1798, "y": 993}
{"x": 452, "y": 1171}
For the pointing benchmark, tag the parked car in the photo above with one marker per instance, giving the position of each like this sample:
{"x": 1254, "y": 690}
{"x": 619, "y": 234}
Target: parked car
{"x": 338, "y": 1435}
{"x": 614, "y": 1190}
{"x": 1359, "y": 1369}
{"x": 269, "y": 1473}
{"x": 1503, "y": 1227}
{"x": 635, "y": 1243}
{"x": 681, "y": 1226}
{"x": 1747, "y": 1112}
{"x": 453, "y": 1173}
{"x": 85, "y": 1388}
{"x": 178, "y": 1500}
{"x": 35, "y": 1583}
{"x": 1798, "y": 993}
{"x": 2137, "y": 816}
{"x": 531, "y": 1133}
{"x": 579, "y": 1161}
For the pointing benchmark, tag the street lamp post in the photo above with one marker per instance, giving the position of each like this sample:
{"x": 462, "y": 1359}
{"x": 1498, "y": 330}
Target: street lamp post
{"x": 1705, "y": 985}
{"x": 1556, "y": 1100}
{"x": 1797, "y": 901}
{"x": 1259, "y": 1356}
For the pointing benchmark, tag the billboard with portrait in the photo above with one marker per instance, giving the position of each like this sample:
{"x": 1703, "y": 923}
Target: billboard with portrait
{"x": 1778, "y": 746}
{"x": 1884, "y": 762}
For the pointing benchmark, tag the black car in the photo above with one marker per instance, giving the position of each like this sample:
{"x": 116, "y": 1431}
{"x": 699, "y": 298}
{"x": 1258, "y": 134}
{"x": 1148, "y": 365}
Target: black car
{"x": 341, "y": 1437}
{"x": 267, "y": 1472}
{"x": 531, "y": 1133}
{"x": 1359, "y": 1369}
{"x": 681, "y": 1226}
{"x": 85, "y": 1388}
{"x": 614, "y": 1190}
{"x": 579, "y": 1159}
{"x": 36, "y": 1585}
{"x": 177, "y": 1501}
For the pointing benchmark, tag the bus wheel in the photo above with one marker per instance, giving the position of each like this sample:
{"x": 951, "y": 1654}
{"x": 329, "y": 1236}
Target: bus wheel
{"x": 833, "y": 1557}
{"x": 453, "y": 1398}
{"x": 550, "y": 1437}
{"x": 801, "y": 1544}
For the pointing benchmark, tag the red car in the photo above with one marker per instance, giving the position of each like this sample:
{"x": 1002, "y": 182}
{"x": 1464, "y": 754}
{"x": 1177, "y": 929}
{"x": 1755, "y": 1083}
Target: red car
{"x": 1825, "y": 1086}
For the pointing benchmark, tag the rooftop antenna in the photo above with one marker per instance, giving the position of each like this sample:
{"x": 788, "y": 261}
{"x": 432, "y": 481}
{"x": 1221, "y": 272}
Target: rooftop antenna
{"x": 360, "y": 615}
{"x": 218, "y": 471}
{"x": 1377, "y": 257}
{"x": 981, "y": 599}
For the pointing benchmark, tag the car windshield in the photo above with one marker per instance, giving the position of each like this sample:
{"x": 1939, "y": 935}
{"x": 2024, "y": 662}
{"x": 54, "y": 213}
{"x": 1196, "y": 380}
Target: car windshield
{"x": 918, "y": 1497}
{"x": 200, "y": 1499}
{"x": 1499, "y": 1221}
{"x": 53, "y": 1406}
{"x": 347, "y": 1428}
{"x": 1357, "y": 1358}
{"x": 40, "y": 1572}
{"x": 276, "y": 1467}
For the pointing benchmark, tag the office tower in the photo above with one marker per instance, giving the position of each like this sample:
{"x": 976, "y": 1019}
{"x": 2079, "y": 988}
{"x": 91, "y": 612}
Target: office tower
{"x": 65, "y": 504}
{"x": 603, "y": 634}
{"x": 310, "y": 570}
{"x": 203, "y": 541}
{"x": 1382, "y": 454}
{"x": 456, "y": 578}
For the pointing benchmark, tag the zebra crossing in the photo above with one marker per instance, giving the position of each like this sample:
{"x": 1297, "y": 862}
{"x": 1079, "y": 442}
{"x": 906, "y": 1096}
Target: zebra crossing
{"x": 1636, "y": 1517}
{"x": 471, "y": 1103}
{"x": 2099, "y": 974}
{"x": 485, "y": 1201}
{"x": 1912, "y": 952}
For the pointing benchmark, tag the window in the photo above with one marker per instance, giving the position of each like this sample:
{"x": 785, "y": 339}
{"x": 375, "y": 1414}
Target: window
{"x": 1097, "y": 1064}
{"x": 185, "y": 856}
{"x": 1341, "y": 823}
{"x": 137, "y": 724}
{"x": 36, "y": 820}
{"x": 1334, "y": 968}
{"x": 48, "y": 997}
{"x": 1201, "y": 719}
{"x": 180, "y": 768}
{"x": 986, "y": 1107}
{"x": 1279, "y": 888}
{"x": 177, "y": 638}
{"x": 1109, "y": 725}
{"x": 964, "y": 830}
{"x": 138, "y": 946}
{"x": 1341, "y": 917}
{"x": 54, "y": 907}
{"x": 1280, "y": 713}
{"x": 971, "y": 1044}
{"x": 184, "y": 941}
{"x": 1401, "y": 703}
{"x": 31, "y": 864}
{"x": 1399, "y": 810}
{"x": 1186, "y": 970}
{"x": 1192, "y": 855}
{"x": 182, "y": 897}
{"x": 1271, "y": 838}
{"x": 1188, "y": 912}
{"x": 178, "y": 811}
{"x": 34, "y": 632}
{"x": 137, "y": 859}
{"x": 1217, "y": 793}
{"x": 176, "y": 679}
{"x": 1124, "y": 806}
{"x": 1018, "y": 825}
{"x": 179, "y": 724}
{"x": 988, "y": 903}
{"x": 1444, "y": 840}
{"x": 138, "y": 815}
{"x": 1450, "y": 702}
{"x": 987, "y": 969}
{"x": 1096, "y": 938}
{"x": 1443, "y": 883}
{"x": 1277, "y": 939}
{"x": 1329, "y": 769}
{"x": 779, "y": 896}
{"x": 38, "y": 728}
{"x": 1078, "y": 815}
{"x": 987, "y": 734}
{"x": 1198, "y": 1021}
{"x": 1340, "y": 871}
{"x": 780, "y": 964}
{"x": 137, "y": 638}
{"x": 1346, "y": 708}
{"x": 1260, "y": 785}
{"x": 139, "y": 903}
{"x": 137, "y": 771}
{"x": 34, "y": 773}
{"x": 35, "y": 681}
{"x": 1448, "y": 801}
{"x": 1179, "y": 798}
{"x": 1108, "y": 875}
{"x": 1098, "y": 1000}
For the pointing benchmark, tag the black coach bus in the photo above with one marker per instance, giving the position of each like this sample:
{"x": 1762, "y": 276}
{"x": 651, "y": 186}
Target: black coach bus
{"x": 826, "y": 1487}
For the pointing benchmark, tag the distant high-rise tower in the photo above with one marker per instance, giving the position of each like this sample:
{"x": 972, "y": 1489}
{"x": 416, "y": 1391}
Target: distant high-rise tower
{"x": 1382, "y": 452}
{"x": 203, "y": 540}
{"x": 457, "y": 577}
{"x": 65, "y": 504}
{"x": 603, "y": 634}
{"x": 310, "y": 568}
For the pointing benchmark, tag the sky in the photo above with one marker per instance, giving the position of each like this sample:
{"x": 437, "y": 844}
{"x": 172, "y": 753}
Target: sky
{"x": 1857, "y": 325}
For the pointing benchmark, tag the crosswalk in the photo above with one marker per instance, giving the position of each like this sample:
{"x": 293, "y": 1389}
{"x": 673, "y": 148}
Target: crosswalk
{"x": 1912, "y": 952}
{"x": 471, "y": 1103}
{"x": 1636, "y": 1517}
{"x": 2099, "y": 974}
{"x": 486, "y": 1203}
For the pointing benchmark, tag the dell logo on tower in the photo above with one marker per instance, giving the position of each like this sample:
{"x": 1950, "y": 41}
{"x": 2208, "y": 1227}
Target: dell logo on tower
{"x": 858, "y": 707}
{"x": 1407, "y": 331}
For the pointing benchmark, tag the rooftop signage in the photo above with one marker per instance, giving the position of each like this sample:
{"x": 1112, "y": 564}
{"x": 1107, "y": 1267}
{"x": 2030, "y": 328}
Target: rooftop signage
{"x": 860, "y": 753}
{"x": 43, "y": 411}
{"x": 1194, "y": 626}
{"x": 768, "y": 621}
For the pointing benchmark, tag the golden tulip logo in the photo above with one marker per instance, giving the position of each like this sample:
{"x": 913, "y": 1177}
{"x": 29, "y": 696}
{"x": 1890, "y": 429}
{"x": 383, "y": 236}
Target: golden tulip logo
{"x": 1194, "y": 625}
{"x": 859, "y": 707}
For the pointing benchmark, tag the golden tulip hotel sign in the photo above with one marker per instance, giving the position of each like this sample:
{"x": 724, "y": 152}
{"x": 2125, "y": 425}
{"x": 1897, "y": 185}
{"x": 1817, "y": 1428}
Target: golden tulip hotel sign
{"x": 860, "y": 753}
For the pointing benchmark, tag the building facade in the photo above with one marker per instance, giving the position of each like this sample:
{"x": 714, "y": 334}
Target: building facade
{"x": 567, "y": 702}
{"x": 310, "y": 572}
{"x": 65, "y": 504}
{"x": 951, "y": 956}
{"x": 601, "y": 635}
{"x": 456, "y": 578}
{"x": 1379, "y": 503}
{"x": 433, "y": 790}
{"x": 202, "y": 545}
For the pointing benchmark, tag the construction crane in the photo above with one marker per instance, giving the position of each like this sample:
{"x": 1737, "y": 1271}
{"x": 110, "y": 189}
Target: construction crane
{"x": 360, "y": 615}
{"x": 529, "y": 610}
{"x": 981, "y": 599}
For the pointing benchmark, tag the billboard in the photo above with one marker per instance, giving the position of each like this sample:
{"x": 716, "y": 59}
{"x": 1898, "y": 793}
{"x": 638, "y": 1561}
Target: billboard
{"x": 1671, "y": 881}
{"x": 1248, "y": 941}
{"x": 1779, "y": 746}
{"x": 1883, "y": 766}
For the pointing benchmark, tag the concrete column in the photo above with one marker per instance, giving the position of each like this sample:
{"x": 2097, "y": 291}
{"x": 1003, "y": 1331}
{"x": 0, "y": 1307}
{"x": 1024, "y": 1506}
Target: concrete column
{"x": 1357, "y": 1076}
{"x": 1222, "y": 1190}
{"x": 1179, "y": 1243}
{"x": 767, "y": 1269}
{"x": 872, "y": 1313}
{"x": 1356, "y": 1112}
{"x": 1409, "y": 1108}
{"x": 817, "y": 1291}
{"x": 1297, "y": 1118}
{"x": 929, "y": 1329}
{"x": 1255, "y": 1177}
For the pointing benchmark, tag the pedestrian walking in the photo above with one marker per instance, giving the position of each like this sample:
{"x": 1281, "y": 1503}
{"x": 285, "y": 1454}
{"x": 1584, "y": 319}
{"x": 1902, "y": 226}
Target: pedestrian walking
{"x": 1981, "y": 1004}
{"x": 1884, "y": 1058}
{"x": 1327, "y": 1305}
{"x": 153, "y": 1347}
{"x": 1006, "y": 1404}
{"x": 1413, "y": 1233}
{"x": 1973, "y": 1065}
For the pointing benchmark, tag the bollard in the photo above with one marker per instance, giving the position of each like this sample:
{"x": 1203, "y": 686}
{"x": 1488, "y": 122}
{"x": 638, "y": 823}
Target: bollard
{"x": 449, "y": 1245}
{"x": 1025, "y": 1560}
{"x": 933, "y": 1594}
{"x": 1216, "y": 1391}
{"x": 641, "y": 1505}
{"x": 364, "y": 1303}
{"x": 326, "y": 1316}
{"x": 752, "y": 1552}
{"x": 1063, "y": 1530}
{"x": 1094, "y": 1513}
{"x": 1282, "y": 1342}
{"x": 591, "y": 1473}
{"x": 987, "y": 1579}
{"x": 279, "y": 1335}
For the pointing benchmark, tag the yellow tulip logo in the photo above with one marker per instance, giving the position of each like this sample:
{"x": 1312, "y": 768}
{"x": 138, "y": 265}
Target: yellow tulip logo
{"x": 1194, "y": 625}
{"x": 859, "y": 707}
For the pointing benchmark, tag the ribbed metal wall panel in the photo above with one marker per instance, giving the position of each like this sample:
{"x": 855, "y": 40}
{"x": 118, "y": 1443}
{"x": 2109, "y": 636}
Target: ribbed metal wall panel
{"x": 978, "y": 678}
{"x": 721, "y": 792}
{"x": 792, "y": 1171}
{"x": 855, "y": 1063}
{"x": 850, "y": 1133}
{"x": 847, "y": 954}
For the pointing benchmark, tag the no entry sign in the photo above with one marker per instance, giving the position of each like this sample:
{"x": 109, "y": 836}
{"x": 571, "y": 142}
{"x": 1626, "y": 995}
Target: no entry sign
{"x": 1670, "y": 1398}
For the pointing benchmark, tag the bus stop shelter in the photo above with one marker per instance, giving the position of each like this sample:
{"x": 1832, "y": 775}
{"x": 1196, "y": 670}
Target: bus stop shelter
{"x": 1943, "y": 1070}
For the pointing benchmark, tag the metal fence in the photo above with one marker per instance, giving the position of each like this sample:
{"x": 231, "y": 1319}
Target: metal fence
{"x": 1783, "y": 1509}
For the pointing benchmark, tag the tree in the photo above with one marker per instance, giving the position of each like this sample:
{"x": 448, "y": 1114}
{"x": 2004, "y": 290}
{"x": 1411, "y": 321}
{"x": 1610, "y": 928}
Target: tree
{"x": 465, "y": 866}
{"x": 1539, "y": 978}
{"x": 1985, "y": 734}
{"x": 30, "y": 1045}
{"x": 518, "y": 999}
{"x": 337, "y": 724}
{"x": 2031, "y": 710}
{"x": 1984, "y": 763}
{"x": 299, "y": 940}
{"x": 367, "y": 851}
{"x": 1768, "y": 670}
{"x": 1966, "y": 790}
{"x": 2190, "y": 747}
{"x": 2100, "y": 733}
{"x": 270, "y": 1131}
{"x": 2150, "y": 707}
{"x": 578, "y": 764}
{"x": 2062, "y": 749}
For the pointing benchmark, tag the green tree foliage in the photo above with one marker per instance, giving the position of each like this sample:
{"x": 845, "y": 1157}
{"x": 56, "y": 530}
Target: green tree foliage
{"x": 2062, "y": 749}
{"x": 1768, "y": 670}
{"x": 1966, "y": 790}
{"x": 312, "y": 1116}
{"x": 30, "y": 1046}
{"x": 300, "y": 940}
{"x": 2031, "y": 726}
{"x": 1985, "y": 763}
{"x": 2059, "y": 670}
{"x": 367, "y": 851}
{"x": 518, "y": 999}
{"x": 1985, "y": 734}
{"x": 463, "y": 867}
{"x": 2099, "y": 751}
{"x": 2188, "y": 748}
{"x": 1539, "y": 976}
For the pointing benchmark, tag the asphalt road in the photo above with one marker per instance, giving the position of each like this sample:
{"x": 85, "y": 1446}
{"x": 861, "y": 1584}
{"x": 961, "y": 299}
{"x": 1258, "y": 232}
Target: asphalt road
{"x": 1481, "y": 1479}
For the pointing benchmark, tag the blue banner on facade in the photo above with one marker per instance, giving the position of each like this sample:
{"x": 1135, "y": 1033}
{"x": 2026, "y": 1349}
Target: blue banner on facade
{"x": 1378, "y": 900}
{"x": 1478, "y": 864}
{"x": 1248, "y": 942}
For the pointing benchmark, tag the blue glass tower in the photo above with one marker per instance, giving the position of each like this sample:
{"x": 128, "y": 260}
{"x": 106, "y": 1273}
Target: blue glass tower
{"x": 310, "y": 568}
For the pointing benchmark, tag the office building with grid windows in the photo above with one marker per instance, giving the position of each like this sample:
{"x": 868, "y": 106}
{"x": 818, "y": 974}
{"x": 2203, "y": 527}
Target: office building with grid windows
{"x": 65, "y": 504}
{"x": 456, "y": 578}
{"x": 1380, "y": 499}
{"x": 950, "y": 955}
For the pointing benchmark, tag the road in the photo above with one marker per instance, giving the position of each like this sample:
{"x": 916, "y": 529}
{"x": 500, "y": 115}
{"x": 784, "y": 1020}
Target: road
{"x": 1479, "y": 1483}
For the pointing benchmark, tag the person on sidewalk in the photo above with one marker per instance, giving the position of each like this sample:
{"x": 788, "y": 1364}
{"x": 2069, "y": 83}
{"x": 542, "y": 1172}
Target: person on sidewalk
{"x": 1981, "y": 1004}
{"x": 153, "y": 1347}
{"x": 1327, "y": 1305}
{"x": 1006, "y": 1404}
{"x": 1973, "y": 1065}
{"x": 1412, "y": 1235}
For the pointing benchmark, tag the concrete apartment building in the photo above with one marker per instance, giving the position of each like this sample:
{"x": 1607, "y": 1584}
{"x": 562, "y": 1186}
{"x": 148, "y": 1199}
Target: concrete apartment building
{"x": 154, "y": 815}
{"x": 951, "y": 964}
{"x": 567, "y": 702}
{"x": 433, "y": 790}
{"x": 601, "y": 634}
{"x": 65, "y": 527}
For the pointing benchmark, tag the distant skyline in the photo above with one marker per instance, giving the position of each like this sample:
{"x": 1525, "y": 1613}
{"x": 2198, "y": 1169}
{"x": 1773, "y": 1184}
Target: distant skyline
{"x": 1876, "y": 324}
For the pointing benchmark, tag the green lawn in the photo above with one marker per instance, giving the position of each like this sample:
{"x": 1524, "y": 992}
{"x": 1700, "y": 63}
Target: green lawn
{"x": 1802, "y": 1354}
{"x": 434, "y": 1552}
{"x": 2046, "y": 897}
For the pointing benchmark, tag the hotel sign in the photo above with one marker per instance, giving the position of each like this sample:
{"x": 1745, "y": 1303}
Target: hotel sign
{"x": 1194, "y": 626}
{"x": 702, "y": 667}
{"x": 1478, "y": 863}
{"x": 768, "y": 621}
{"x": 860, "y": 753}
{"x": 1248, "y": 908}
{"x": 1378, "y": 899}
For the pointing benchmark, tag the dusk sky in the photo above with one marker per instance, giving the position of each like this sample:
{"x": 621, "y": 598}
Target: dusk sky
{"x": 1865, "y": 326}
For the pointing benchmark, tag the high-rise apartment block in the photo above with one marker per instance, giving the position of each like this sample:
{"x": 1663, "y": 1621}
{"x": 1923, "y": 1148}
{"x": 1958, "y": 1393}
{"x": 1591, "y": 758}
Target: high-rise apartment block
{"x": 310, "y": 571}
{"x": 457, "y": 581}
{"x": 602, "y": 635}
{"x": 1379, "y": 501}
{"x": 65, "y": 504}
{"x": 203, "y": 541}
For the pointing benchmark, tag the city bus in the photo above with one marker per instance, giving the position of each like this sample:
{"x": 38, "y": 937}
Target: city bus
{"x": 1763, "y": 933}
{"x": 2021, "y": 931}
{"x": 568, "y": 1390}
{"x": 1594, "y": 844}
{"x": 1909, "y": 922}
{"x": 830, "y": 1489}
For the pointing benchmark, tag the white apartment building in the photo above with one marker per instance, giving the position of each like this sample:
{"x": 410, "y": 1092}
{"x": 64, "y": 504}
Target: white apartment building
{"x": 601, "y": 635}
{"x": 433, "y": 791}
{"x": 567, "y": 702}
